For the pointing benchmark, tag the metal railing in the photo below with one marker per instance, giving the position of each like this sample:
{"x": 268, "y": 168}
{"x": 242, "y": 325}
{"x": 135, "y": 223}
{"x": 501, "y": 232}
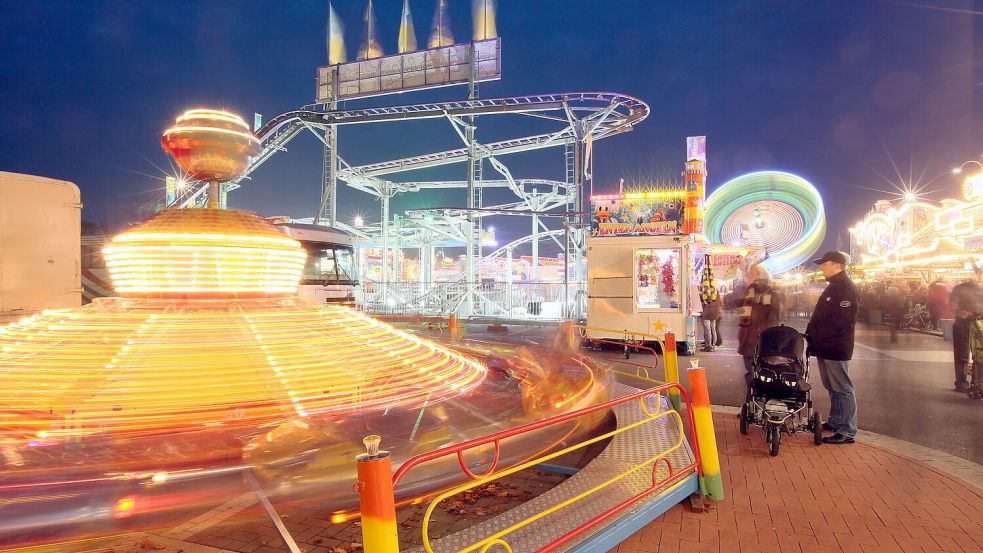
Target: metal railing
{"x": 545, "y": 301}
{"x": 670, "y": 475}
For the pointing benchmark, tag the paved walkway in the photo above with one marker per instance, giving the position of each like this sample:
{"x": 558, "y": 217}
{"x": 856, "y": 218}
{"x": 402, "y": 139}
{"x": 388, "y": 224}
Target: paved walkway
{"x": 857, "y": 497}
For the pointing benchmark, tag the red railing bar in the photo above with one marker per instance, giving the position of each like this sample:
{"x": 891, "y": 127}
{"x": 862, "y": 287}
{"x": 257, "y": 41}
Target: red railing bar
{"x": 464, "y": 446}
{"x": 471, "y": 475}
{"x": 655, "y": 469}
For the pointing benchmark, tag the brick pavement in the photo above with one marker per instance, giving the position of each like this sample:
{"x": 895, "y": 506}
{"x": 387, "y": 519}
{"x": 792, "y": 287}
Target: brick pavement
{"x": 852, "y": 498}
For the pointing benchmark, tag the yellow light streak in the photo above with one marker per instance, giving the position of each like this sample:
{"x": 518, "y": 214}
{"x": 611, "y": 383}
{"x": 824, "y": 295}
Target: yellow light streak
{"x": 182, "y": 130}
{"x": 214, "y": 115}
{"x": 256, "y": 361}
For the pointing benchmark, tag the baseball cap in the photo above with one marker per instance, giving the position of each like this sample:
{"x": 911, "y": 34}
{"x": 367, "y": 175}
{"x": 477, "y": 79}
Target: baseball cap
{"x": 834, "y": 256}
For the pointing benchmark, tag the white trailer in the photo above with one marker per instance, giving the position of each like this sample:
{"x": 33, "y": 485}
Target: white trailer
{"x": 641, "y": 284}
{"x": 40, "y": 245}
{"x": 330, "y": 275}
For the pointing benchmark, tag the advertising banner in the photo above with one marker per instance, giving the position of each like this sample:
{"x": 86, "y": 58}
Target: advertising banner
{"x": 696, "y": 148}
{"x": 637, "y": 217}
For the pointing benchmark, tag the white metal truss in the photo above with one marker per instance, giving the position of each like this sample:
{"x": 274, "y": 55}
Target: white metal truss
{"x": 580, "y": 116}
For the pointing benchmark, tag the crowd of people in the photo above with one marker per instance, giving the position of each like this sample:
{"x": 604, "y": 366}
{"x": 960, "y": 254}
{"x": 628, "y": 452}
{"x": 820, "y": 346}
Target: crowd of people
{"x": 894, "y": 299}
{"x": 831, "y": 328}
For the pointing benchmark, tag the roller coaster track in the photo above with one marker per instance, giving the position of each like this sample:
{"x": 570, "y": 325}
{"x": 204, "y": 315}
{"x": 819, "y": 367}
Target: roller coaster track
{"x": 599, "y": 114}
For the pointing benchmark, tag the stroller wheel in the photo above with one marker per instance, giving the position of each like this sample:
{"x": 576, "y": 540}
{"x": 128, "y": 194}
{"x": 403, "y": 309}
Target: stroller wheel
{"x": 817, "y": 428}
{"x": 776, "y": 437}
{"x": 744, "y": 420}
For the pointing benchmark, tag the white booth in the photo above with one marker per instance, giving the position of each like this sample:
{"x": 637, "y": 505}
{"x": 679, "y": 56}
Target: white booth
{"x": 642, "y": 284}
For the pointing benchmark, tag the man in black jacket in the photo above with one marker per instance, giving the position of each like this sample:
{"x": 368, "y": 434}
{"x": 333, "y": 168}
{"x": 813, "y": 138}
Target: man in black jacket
{"x": 831, "y": 336}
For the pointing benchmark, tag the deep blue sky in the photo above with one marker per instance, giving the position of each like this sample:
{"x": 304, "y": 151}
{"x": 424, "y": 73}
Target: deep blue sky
{"x": 837, "y": 91}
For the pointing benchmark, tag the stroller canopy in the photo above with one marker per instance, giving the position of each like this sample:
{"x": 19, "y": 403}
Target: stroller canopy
{"x": 783, "y": 341}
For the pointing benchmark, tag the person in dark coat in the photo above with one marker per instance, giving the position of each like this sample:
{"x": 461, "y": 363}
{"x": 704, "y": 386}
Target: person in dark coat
{"x": 762, "y": 309}
{"x": 831, "y": 337}
{"x": 711, "y": 323}
{"x": 938, "y": 304}
{"x": 966, "y": 300}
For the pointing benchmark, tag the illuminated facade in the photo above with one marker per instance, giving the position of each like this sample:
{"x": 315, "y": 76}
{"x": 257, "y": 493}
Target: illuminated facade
{"x": 917, "y": 238}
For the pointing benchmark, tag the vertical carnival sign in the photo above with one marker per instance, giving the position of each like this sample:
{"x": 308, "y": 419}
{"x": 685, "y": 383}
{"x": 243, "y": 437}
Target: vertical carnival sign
{"x": 695, "y": 180}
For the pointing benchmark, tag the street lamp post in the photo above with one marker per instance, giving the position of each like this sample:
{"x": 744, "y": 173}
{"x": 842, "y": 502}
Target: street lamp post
{"x": 959, "y": 169}
{"x": 973, "y": 185}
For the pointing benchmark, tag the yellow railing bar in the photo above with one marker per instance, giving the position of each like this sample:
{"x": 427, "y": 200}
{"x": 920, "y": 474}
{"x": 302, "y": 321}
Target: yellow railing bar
{"x": 503, "y": 543}
{"x": 641, "y": 400}
{"x": 638, "y": 377}
{"x": 491, "y": 540}
{"x": 661, "y": 340}
{"x": 570, "y": 501}
{"x": 619, "y": 331}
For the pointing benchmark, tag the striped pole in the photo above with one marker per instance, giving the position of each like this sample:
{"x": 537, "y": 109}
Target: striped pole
{"x": 376, "y": 499}
{"x": 672, "y": 367}
{"x": 711, "y": 485}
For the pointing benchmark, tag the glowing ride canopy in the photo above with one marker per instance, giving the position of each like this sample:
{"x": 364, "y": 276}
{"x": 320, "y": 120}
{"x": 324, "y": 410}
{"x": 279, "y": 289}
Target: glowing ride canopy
{"x": 209, "y": 333}
{"x": 210, "y": 145}
{"x": 199, "y": 253}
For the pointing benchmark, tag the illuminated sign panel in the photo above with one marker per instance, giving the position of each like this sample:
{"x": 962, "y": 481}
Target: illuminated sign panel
{"x": 432, "y": 68}
{"x": 647, "y": 214}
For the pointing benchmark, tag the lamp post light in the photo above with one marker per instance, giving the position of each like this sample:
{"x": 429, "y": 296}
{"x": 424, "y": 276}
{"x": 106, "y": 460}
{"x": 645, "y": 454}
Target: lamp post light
{"x": 957, "y": 170}
{"x": 973, "y": 185}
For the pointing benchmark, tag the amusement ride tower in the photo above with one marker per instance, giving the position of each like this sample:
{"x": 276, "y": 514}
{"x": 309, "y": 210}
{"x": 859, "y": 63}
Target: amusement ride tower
{"x": 582, "y": 118}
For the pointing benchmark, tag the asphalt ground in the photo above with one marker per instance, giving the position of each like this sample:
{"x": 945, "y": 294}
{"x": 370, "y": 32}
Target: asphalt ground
{"x": 904, "y": 389}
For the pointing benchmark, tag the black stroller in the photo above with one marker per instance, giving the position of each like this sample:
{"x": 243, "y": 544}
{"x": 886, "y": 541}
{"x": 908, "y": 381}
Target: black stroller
{"x": 780, "y": 396}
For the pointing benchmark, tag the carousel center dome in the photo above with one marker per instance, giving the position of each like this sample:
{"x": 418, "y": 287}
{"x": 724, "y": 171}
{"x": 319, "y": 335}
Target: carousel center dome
{"x": 204, "y": 253}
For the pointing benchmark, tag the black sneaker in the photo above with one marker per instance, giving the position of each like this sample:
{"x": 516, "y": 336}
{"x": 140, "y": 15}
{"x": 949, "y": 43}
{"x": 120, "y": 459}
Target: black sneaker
{"x": 837, "y": 439}
{"x": 961, "y": 387}
{"x": 828, "y": 427}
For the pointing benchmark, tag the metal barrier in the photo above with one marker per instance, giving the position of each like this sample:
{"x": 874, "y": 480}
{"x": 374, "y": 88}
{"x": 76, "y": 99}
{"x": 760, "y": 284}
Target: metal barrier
{"x": 636, "y": 340}
{"x": 674, "y": 474}
{"x": 546, "y": 301}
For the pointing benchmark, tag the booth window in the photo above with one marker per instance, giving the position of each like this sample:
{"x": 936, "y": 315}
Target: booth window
{"x": 657, "y": 278}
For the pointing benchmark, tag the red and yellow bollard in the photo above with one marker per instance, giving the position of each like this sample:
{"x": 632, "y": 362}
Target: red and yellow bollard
{"x": 452, "y": 325}
{"x": 672, "y": 367}
{"x": 376, "y": 499}
{"x": 711, "y": 484}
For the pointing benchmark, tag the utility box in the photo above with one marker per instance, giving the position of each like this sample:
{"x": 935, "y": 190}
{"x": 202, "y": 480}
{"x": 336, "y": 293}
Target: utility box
{"x": 40, "y": 245}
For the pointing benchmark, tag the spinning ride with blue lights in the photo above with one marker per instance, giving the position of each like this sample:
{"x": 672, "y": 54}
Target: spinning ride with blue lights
{"x": 778, "y": 211}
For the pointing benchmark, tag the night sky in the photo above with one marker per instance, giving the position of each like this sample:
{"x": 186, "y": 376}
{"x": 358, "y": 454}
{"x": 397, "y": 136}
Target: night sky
{"x": 852, "y": 95}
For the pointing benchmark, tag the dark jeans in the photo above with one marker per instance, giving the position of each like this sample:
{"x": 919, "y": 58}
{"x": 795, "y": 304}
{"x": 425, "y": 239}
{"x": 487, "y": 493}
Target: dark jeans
{"x": 842, "y": 400}
{"x": 748, "y": 362}
{"x": 960, "y": 348}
